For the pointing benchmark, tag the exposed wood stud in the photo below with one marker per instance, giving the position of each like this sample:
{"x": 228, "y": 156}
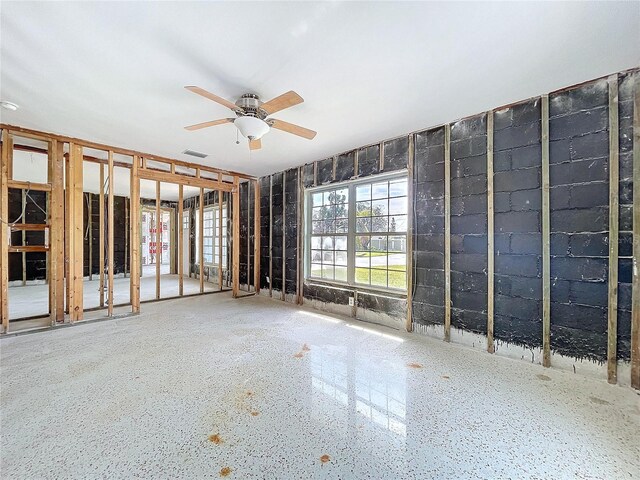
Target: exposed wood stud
{"x": 101, "y": 235}
{"x": 24, "y": 239}
{"x": 158, "y": 240}
{"x": 75, "y": 211}
{"x": 381, "y": 158}
{"x": 180, "y": 241}
{"x": 614, "y": 178}
{"x": 355, "y": 163}
{"x": 134, "y": 234}
{"x": 410, "y": 231}
{"x": 5, "y": 159}
{"x": 201, "y": 240}
{"x": 256, "y": 236}
{"x": 635, "y": 296}
{"x": 300, "y": 263}
{"x": 56, "y": 233}
{"x": 110, "y": 237}
{"x": 19, "y": 184}
{"x": 447, "y": 232}
{"x": 235, "y": 262}
{"x": 334, "y": 165}
{"x": 271, "y": 230}
{"x": 284, "y": 234}
{"x": 490, "y": 235}
{"x": 184, "y": 180}
{"x": 546, "y": 238}
{"x": 220, "y": 262}
{"x": 90, "y": 227}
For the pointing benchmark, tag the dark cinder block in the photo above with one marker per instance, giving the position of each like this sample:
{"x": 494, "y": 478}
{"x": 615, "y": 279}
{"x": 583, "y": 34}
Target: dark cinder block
{"x": 469, "y": 127}
{"x": 624, "y": 296}
{"x": 502, "y": 161}
{"x": 434, "y": 189}
{"x": 469, "y": 320}
{"x": 526, "y": 287}
{"x": 325, "y": 171}
{"x": 474, "y": 243}
{"x": 525, "y": 157}
{"x": 430, "y": 295}
{"x": 625, "y": 270}
{"x": 502, "y": 119}
{"x": 560, "y": 197}
{"x": 469, "y": 224}
{"x": 588, "y": 195}
{"x": 468, "y": 166}
{"x": 456, "y": 243}
{"x": 429, "y": 225}
{"x": 517, "y": 136}
{"x": 559, "y": 151}
{"x": 368, "y": 160}
{"x": 519, "y": 222}
{"x": 469, "y": 301}
{"x": 469, "y": 262}
{"x": 589, "y": 293}
{"x": 589, "y": 244}
{"x": 429, "y": 277}
{"x": 502, "y": 284}
{"x": 527, "y": 112}
{"x": 396, "y": 154}
{"x": 425, "y": 314}
{"x": 429, "y": 260}
{"x": 579, "y": 123}
{"x": 526, "y": 243}
{"x": 518, "y": 307}
{"x": 521, "y": 265}
{"x": 469, "y": 205}
{"x": 578, "y": 343}
{"x": 518, "y": 331}
{"x": 469, "y": 185}
{"x": 501, "y": 202}
{"x": 428, "y": 243}
{"x": 579, "y": 172}
{"x": 592, "y": 145}
{"x": 345, "y": 166}
{"x": 469, "y": 147}
{"x": 468, "y": 281}
{"x": 625, "y": 244}
{"x": 584, "y": 269}
{"x": 626, "y": 218}
{"x": 584, "y": 220}
{"x": 625, "y": 192}
{"x": 430, "y": 172}
{"x": 625, "y": 138}
{"x": 526, "y": 200}
{"x": 516, "y": 180}
{"x": 581, "y": 317}
{"x": 502, "y": 243}
{"x": 583, "y": 97}
{"x": 560, "y": 290}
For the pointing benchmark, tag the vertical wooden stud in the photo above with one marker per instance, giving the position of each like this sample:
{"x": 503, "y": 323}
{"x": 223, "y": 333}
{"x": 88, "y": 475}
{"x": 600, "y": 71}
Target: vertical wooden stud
{"x": 90, "y": 229}
{"x": 447, "y": 232}
{"x": 24, "y": 238}
{"x": 101, "y": 235}
{"x": 56, "y": 229}
{"x": 235, "y": 262}
{"x": 301, "y": 233}
{"x": 110, "y": 227}
{"x": 284, "y": 235}
{"x": 180, "y": 241}
{"x": 546, "y": 238}
{"x": 256, "y": 235}
{"x": 5, "y": 160}
{"x": 220, "y": 210}
{"x": 271, "y": 228}
{"x": 614, "y": 178}
{"x": 134, "y": 234}
{"x": 490, "y": 235}
{"x": 158, "y": 240}
{"x": 75, "y": 211}
{"x": 410, "y": 229}
{"x": 201, "y": 239}
{"x": 635, "y": 287}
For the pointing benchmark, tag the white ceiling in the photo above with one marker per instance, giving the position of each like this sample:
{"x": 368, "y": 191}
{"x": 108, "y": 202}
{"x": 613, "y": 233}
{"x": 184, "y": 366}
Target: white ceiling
{"x": 114, "y": 73}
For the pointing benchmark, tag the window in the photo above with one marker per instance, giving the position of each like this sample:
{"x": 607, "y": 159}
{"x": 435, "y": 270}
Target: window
{"x": 210, "y": 238}
{"x": 357, "y": 233}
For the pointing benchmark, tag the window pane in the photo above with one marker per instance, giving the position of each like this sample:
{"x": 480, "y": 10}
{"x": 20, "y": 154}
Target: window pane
{"x": 398, "y": 223}
{"x": 363, "y": 259}
{"x": 327, "y": 257}
{"x": 379, "y": 190}
{"x": 363, "y": 243}
{"x": 327, "y": 272}
{"x": 316, "y": 199}
{"x": 316, "y": 270}
{"x": 398, "y": 206}
{"x": 378, "y": 243}
{"x": 363, "y": 225}
{"x": 363, "y": 192}
{"x": 316, "y": 256}
{"x": 342, "y": 225}
{"x": 397, "y": 243}
{"x": 341, "y": 274}
{"x": 341, "y": 243}
{"x": 380, "y": 224}
{"x": 397, "y": 261}
{"x": 341, "y": 258}
{"x": 363, "y": 275}
{"x": 397, "y": 279}
{"x": 327, "y": 243}
{"x": 363, "y": 209}
{"x": 317, "y": 226}
{"x": 398, "y": 188}
{"x": 380, "y": 207}
{"x": 378, "y": 278}
{"x": 316, "y": 242}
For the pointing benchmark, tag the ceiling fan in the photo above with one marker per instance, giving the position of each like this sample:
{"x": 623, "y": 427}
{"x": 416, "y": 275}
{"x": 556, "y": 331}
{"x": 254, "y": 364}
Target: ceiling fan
{"x": 252, "y": 113}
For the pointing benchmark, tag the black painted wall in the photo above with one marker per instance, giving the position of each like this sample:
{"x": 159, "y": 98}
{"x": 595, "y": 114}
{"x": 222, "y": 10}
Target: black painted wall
{"x": 36, "y": 262}
{"x": 579, "y": 220}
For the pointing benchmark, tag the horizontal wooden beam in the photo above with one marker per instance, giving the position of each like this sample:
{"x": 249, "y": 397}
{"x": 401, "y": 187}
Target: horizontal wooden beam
{"x": 158, "y": 176}
{"x": 41, "y": 187}
{"x": 30, "y": 133}
{"x": 29, "y": 226}
{"x": 27, "y": 248}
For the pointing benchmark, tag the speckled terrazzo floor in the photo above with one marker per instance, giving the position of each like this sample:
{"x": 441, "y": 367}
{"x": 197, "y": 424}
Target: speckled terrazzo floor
{"x": 252, "y": 388}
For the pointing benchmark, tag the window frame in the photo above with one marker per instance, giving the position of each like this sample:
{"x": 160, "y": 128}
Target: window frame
{"x": 351, "y": 233}
{"x": 215, "y": 209}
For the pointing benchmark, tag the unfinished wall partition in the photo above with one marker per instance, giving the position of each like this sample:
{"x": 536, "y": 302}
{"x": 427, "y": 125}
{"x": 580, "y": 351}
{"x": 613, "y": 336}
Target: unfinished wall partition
{"x": 522, "y": 230}
{"x": 84, "y": 248}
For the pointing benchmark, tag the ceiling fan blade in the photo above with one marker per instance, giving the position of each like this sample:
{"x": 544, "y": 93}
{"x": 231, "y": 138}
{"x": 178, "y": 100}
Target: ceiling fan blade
{"x": 213, "y": 97}
{"x": 212, "y": 123}
{"x": 255, "y": 144}
{"x": 285, "y": 100}
{"x": 291, "y": 128}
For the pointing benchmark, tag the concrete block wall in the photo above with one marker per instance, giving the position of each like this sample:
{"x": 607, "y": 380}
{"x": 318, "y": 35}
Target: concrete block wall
{"x": 36, "y": 262}
{"x": 291, "y": 231}
{"x": 579, "y": 223}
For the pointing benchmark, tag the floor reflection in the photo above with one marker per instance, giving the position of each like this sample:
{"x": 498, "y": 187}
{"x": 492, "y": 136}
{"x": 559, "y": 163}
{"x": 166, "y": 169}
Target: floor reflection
{"x": 375, "y": 395}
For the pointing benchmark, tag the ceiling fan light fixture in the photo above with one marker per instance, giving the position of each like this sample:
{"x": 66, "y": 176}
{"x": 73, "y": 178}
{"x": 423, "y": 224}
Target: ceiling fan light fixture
{"x": 251, "y": 127}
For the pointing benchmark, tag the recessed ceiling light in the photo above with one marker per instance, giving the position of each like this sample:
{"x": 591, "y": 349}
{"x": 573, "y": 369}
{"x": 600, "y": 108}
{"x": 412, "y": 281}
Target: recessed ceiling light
{"x": 8, "y": 105}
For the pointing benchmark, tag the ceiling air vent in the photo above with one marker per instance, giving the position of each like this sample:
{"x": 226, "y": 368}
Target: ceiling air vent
{"x": 193, "y": 153}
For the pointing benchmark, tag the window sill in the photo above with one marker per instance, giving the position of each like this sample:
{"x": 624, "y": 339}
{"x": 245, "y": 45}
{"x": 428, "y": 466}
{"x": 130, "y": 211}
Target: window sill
{"x": 387, "y": 292}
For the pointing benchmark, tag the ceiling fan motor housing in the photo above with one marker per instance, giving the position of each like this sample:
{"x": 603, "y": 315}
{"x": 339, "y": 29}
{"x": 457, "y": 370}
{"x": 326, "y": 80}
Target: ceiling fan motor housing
{"x": 250, "y": 103}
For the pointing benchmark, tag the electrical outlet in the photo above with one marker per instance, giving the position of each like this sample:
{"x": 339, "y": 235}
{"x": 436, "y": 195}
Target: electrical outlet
{"x": 268, "y": 281}
{"x": 351, "y": 301}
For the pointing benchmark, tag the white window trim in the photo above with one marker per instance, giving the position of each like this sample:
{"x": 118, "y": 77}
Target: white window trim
{"x": 216, "y": 211}
{"x": 351, "y": 231}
